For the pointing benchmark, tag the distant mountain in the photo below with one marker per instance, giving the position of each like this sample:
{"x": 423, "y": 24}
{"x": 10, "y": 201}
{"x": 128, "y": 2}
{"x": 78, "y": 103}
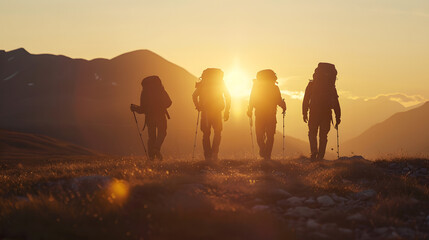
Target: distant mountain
{"x": 403, "y": 134}
{"x": 19, "y": 144}
{"x": 87, "y": 102}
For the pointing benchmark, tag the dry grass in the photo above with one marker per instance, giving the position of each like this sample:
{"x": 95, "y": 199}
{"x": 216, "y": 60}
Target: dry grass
{"x": 40, "y": 197}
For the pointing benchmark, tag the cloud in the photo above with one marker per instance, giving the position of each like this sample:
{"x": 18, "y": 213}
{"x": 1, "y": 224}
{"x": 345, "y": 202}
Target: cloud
{"x": 293, "y": 94}
{"x": 402, "y": 98}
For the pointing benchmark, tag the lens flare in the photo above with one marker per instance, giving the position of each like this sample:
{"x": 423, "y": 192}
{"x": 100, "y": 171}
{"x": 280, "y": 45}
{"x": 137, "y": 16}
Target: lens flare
{"x": 118, "y": 191}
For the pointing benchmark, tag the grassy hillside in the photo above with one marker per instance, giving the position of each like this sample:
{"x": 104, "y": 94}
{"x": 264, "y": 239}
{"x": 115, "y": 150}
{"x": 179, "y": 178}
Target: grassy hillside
{"x": 124, "y": 198}
{"x": 18, "y": 144}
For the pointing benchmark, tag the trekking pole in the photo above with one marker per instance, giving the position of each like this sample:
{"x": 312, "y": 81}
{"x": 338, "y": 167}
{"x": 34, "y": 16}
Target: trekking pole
{"x": 284, "y": 113}
{"x": 141, "y": 138}
{"x": 251, "y": 136}
{"x": 338, "y": 144}
{"x": 195, "y": 139}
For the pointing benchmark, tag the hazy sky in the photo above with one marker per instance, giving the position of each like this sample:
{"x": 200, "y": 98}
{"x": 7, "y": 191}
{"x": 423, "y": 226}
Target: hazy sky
{"x": 379, "y": 46}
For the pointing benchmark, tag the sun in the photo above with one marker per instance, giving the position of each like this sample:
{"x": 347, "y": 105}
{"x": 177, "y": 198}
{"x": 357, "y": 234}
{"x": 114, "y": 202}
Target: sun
{"x": 238, "y": 82}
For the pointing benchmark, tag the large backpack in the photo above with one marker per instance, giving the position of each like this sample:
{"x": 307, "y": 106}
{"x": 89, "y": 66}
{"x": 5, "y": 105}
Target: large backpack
{"x": 154, "y": 98}
{"x": 322, "y": 89}
{"x": 211, "y": 89}
{"x": 266, "y": 75}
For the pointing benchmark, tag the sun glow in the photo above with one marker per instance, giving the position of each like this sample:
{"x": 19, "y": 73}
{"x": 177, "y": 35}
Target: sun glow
{"x": 238, "y": 83}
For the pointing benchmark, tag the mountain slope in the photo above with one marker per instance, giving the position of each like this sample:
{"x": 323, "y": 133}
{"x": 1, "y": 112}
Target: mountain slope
{"x": 405, "y": 133}
{"x": 87, "y": 102}
{"x": 18, "y": 144}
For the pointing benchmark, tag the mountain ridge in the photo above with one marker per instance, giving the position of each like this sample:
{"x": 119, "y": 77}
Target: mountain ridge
{"x": 404, "y": 133}
{"x": 87, "y": 102}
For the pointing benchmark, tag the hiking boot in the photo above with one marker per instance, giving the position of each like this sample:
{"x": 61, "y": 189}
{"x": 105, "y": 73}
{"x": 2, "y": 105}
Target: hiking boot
{"x": 159, "y": 156}
{"x": 262, "y": 153}
{"x": 208, "y": 157}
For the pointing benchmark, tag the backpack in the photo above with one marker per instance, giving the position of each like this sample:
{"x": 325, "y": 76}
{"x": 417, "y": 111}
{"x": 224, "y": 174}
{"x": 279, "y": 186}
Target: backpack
{"x": 154, "y": 98}
{"x": 211, "y": 88}
{"x": 266, "y": 75}
{"x": 322, "y": 89}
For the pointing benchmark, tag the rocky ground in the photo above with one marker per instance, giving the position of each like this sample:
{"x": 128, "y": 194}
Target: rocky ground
{"x": 125, "y": 198}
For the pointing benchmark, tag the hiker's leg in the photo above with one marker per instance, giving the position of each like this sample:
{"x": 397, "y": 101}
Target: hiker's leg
{"x": 151, "y": 132}
{"x": 325, "y": 126}
{"x": 206, "y": 129}
{"x": 162, "y": 133}
{"x": 217, "y": 128}
{"x": 260, "y": 135}
{"x": 270, "y": 131}
{"x": 313, "y": 127}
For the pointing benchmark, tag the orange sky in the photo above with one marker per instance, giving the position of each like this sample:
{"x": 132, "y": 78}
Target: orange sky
{"x": 379, "y": 47}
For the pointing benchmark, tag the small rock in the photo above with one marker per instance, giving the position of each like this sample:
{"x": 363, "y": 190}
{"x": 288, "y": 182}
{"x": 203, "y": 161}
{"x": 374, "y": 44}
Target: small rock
{"x": 325, "y": 201}
{"x": 329, "y": 227}
{"x": 301, "y": 212}
{"x": 366, "y": 194}
{"x": 357, "y": 217}
{"x": 392, "y": 165}
{"x": 319, "y": 235}
{"x": 405, "y": 169}
{"x": 406, "y": 233}
{"x": 292, "y": 201}
{"x": 282, "y": 193}
{"x": 312, "y": 224}
{"x": 310, "y": 200}
{"x": 381, "y": 230}
{"x": 338, "y": 198}
{"x": 393, "y": 235}
{"x": 345, "y": 231}
{"x": 258, "y": 208}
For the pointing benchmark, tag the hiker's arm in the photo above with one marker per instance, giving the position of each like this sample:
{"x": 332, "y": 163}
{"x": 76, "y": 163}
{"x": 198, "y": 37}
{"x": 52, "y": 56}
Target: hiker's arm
{"x": 337, "y": 109}
{"x": 136, "y": 108}
{"x": 280, "y": 101}
{"x": 168, "y": 101}
{"x": 306, "y": 102}
{"x": 195, "y": 96}
{"x": 251, "y": 103}
{"x": 227, "y": 103}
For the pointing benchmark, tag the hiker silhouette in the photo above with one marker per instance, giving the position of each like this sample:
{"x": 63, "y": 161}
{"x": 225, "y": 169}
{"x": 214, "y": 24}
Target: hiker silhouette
{"x": 265, "y": 97}
{"x": 321, "y": 97}
{"x": 211, "y": 97}
{"x": 154, "y": 101}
